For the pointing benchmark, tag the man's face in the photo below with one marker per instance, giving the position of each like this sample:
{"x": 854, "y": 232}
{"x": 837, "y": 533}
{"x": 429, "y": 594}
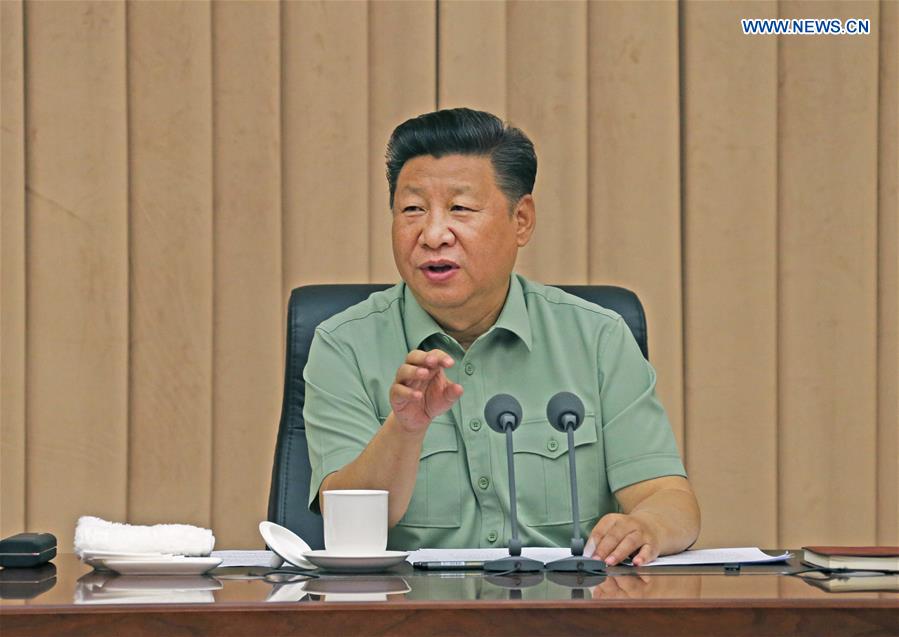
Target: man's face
{"x": 454, "y": 239}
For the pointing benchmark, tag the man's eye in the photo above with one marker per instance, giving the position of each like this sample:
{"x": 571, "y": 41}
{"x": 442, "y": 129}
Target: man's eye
{"x": 413, "y": 209}
{"x": 462, "y": 208}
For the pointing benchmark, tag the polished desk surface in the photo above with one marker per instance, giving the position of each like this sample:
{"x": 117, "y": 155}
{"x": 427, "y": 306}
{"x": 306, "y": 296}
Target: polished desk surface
{"x": 760, "y": 600}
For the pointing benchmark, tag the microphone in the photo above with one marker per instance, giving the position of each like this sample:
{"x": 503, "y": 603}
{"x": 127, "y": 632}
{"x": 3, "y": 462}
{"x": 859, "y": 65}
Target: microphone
{"x": 503, "y": 415}
{"x": 565, "y": 413}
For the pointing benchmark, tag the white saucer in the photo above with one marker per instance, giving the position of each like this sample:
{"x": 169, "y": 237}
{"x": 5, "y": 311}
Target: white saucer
{"x": 285, "y": 543}
{"x": 356, "y": 563}
{"x": 95, "y": 558}
{"x": 176, "y": 565}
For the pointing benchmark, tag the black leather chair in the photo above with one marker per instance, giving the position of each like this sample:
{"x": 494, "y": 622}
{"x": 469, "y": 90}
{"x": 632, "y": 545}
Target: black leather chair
{"x": 309, "y": 306}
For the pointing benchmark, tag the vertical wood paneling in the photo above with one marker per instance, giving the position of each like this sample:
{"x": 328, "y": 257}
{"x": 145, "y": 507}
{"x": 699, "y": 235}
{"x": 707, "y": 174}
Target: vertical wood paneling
{"x": 170, "y": 103}
{"x": 248, "y": 350}
{"x": 888, "y": 283}
{"x": 77, "y": 263}
{"x": 402, "y": 84}
{"x": 730, "y": 270}
{"x": 472, "y": 36}
{"x": 828, "y": 273}
{"x": 634, "y": 174}
{"x": 547, "y": 97}
{"x": 325, "y": 142}
{"x": 12, "y": 273}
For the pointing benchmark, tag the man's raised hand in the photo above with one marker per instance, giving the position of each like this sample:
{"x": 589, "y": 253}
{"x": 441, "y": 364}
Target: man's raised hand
{"x": 421, "y": 391}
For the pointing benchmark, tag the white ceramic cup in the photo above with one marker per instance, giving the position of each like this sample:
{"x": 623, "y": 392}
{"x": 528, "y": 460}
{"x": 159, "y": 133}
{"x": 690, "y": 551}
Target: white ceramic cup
{"x": 355, "y": 522}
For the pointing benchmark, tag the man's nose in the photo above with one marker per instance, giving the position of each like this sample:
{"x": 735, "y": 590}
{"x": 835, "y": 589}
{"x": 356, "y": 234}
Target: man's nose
{"x": 437, "y": 230}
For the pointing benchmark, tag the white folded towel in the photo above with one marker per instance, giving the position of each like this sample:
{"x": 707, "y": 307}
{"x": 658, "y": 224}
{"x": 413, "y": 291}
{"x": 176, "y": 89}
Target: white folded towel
{"x": 94, "y": 534}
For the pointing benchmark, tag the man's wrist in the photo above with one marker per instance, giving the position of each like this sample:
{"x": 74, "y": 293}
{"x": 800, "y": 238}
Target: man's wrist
{"x": 413, "y": 435}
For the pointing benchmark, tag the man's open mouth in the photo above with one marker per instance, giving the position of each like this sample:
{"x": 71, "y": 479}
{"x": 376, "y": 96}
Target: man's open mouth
{"x": 439, "y": 270}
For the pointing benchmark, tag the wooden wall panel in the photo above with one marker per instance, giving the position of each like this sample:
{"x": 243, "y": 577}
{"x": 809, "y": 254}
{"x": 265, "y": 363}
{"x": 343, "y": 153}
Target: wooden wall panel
{"x": 547, "y": 97}
{"x": 325, "y": 142}
{"x": 888, "y": 283}
{"x": 77, "y": 263}
{"x": 472, "y": 35}
{"x": 170, "y": 100}
{"x": 730, "y": 271}
{"x": 828, "y": 273}
{"x": 634, "y": 174}
{"x": 402, "y": 84}
{"x": 248, "y": 340}
{"x": 12, "y": 272}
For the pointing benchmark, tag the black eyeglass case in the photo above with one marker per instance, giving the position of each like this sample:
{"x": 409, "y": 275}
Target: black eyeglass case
{"x": 27, "y": 550}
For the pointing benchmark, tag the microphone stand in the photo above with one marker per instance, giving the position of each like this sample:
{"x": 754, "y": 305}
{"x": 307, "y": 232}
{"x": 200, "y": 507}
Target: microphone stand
{"x": 570, "y": 418}
{"x": 507, "y": 421}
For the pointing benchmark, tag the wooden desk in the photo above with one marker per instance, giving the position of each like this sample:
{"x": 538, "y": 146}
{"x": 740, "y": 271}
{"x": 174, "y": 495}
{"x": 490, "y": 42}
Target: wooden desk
{"x": 759, "y": 601}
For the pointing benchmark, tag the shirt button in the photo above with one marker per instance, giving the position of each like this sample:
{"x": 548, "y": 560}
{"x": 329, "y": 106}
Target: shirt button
{"x": 483, "y": 482}
{"x": 552, "y": 445}
{"x": 469, "y": 369}
{"x": 475, "y": 424}
{"x": 491, "y": 537}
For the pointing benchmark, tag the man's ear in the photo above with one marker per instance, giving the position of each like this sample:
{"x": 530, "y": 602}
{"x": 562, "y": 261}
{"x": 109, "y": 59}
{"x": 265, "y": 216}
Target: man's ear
{"x": 525, "y": 216}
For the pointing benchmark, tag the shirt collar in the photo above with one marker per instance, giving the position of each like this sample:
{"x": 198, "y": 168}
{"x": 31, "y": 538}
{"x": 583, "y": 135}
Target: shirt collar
{"x": 419, "y": 325}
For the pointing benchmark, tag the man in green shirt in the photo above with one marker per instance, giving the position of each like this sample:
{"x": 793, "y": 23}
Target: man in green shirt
{"x": 396, "y": 385}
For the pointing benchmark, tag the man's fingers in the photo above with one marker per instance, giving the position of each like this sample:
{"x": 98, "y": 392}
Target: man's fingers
{"x": 401, "y": 395}
{"x": 603, "y": 527}
{"x": 647, "y": 554}
{"x": 418, "y": 358}
{"x": 628, "y": 544}
{"x": 606, "y": 543}
{"x": 452, "y": 392}
{"x": 616, "y": 536}
{"x": 441, "y": 358}
{"x": 606, "y": 523}
{"x": 411, "y": 374}
{"x": 432, "y": 359}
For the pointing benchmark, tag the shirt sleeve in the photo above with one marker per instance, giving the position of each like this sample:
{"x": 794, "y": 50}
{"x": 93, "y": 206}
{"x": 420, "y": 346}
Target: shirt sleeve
{"x": 638, "y": 440}
{"x": 339, "y": 415}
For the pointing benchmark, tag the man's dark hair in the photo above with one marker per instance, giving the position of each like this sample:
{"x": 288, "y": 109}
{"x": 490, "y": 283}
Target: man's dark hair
{"x": 463, "y": 131}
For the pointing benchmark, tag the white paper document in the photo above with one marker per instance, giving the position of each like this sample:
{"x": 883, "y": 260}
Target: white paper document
{"x": 265, "y": 559}
{"x": 744, "y": 555}
{"x": 748, "y": 555}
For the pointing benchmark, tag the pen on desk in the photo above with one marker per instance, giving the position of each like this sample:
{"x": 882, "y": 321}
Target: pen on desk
{"x": 454, "y": 565}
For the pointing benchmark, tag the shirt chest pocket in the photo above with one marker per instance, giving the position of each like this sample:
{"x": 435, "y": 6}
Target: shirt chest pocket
{"x": 542, "y": 473}
{"x": 437, "y": 498}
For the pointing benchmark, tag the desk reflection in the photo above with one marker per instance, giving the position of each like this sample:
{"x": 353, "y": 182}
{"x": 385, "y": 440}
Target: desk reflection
{"x": 27, "y": 583}
{"x": 107, "y": 588}
{"x": 70, "y": 581}
{"x": 553, "y": 586}
{"x": 357, "y": 588}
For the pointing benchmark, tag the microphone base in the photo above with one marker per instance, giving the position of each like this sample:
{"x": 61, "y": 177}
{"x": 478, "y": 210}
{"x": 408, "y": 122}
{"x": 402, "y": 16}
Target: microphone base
{"x": 576, "y": 564}
{"x": 512, "y": 564}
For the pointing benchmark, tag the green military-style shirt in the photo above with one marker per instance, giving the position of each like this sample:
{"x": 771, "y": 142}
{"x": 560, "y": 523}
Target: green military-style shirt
{"x": 543, "y": 342}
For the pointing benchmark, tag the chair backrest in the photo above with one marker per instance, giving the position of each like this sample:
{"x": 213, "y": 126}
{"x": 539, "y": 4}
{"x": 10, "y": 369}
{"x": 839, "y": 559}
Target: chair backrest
{"x": 309, "y": 306}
